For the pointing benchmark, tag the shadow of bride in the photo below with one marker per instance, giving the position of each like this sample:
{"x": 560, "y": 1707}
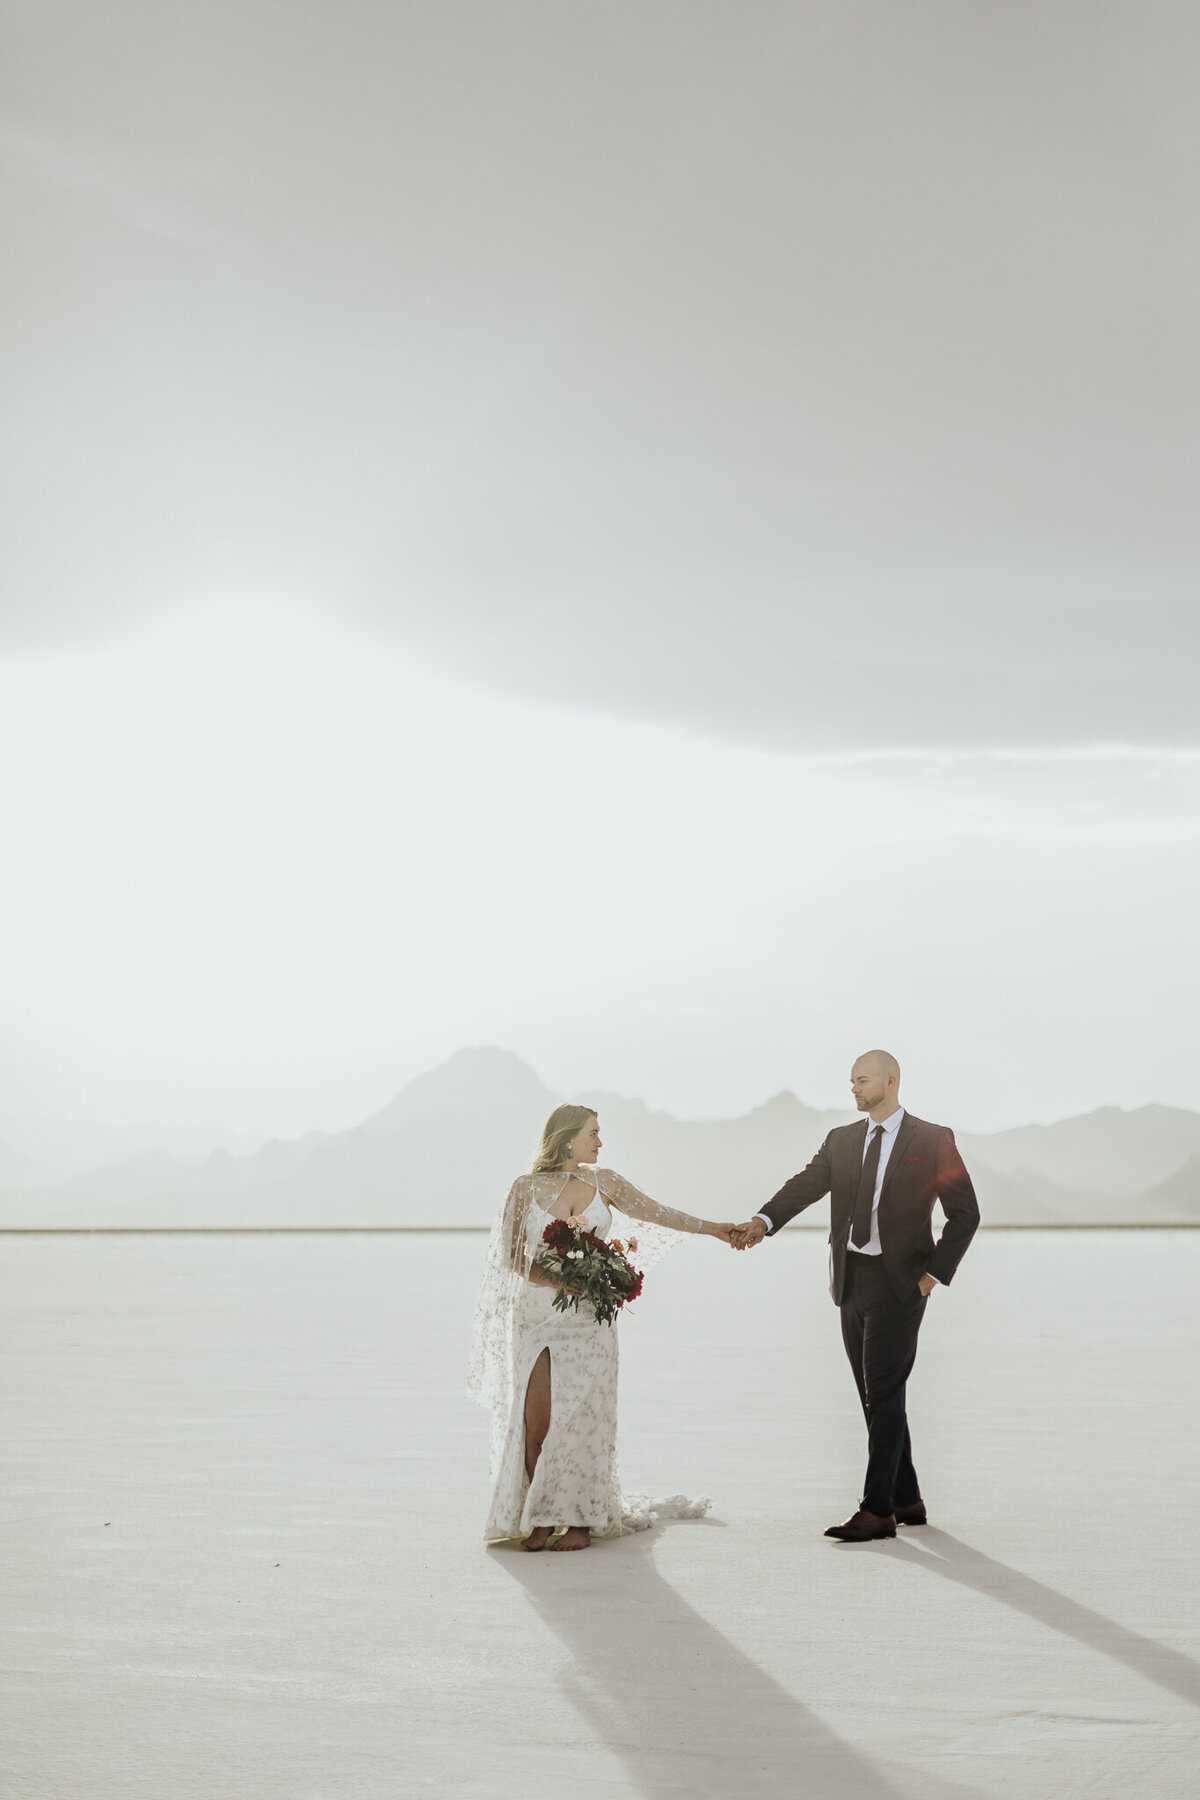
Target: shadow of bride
{"x": 948, "y": 1556}
{"x": 683, "y": 1708}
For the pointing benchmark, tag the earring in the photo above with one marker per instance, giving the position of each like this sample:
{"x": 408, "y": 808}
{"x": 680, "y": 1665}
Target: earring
{"x": 570, "y": 1152}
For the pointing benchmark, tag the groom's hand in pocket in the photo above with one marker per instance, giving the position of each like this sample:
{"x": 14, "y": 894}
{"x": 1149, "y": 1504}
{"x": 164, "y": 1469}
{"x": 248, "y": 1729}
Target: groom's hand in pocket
{"x": 927, "y": 1284}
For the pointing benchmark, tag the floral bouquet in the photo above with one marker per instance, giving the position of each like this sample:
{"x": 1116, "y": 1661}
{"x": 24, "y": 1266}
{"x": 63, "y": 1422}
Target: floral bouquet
{"x": 586, "y": 1267}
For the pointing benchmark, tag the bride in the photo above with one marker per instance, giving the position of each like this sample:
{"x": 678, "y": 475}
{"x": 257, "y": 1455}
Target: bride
{"x": 550, "y": 1378}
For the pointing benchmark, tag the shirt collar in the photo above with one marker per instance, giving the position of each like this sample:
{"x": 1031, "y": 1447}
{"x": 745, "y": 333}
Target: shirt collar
{"x": 892, "y": 1123}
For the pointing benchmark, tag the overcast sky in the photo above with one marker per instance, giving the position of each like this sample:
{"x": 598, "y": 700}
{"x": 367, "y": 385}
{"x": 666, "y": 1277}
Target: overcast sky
{"x": 659, "y": 535}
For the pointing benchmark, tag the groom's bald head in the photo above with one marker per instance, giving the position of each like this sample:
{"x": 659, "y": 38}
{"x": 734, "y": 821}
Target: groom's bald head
{"x": 875, "y": 1083}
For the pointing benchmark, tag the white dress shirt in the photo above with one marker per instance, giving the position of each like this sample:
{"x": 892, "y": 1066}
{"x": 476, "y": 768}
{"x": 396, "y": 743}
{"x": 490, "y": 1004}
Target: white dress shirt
{"x": 891, "y": 1126}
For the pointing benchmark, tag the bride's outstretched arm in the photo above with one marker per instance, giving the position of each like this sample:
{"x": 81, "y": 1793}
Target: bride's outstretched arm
{"x": 635, "y": 1205}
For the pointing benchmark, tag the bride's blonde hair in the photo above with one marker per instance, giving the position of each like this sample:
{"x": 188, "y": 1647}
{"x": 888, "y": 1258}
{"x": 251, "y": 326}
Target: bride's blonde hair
{"x": 557, "y": 1133}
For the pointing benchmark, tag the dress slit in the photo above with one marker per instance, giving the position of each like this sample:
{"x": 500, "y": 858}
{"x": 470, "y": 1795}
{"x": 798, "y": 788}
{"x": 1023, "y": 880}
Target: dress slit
{"x": 546, "y": 1352}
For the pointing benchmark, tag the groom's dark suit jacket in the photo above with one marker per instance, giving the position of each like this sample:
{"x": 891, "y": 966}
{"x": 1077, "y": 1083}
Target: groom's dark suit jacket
{"x": 924, "y": 1166}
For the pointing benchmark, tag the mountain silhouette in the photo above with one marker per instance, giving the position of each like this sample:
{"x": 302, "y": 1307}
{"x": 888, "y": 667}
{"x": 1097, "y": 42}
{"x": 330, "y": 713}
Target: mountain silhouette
{"x": 445, "y": 1149}
{"x": 1179, "y": 1195}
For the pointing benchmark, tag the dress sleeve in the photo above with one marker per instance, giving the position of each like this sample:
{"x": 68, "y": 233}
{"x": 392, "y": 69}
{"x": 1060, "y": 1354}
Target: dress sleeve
{"x": 516, "y": 1213}
{"x": 635, "y": 1205}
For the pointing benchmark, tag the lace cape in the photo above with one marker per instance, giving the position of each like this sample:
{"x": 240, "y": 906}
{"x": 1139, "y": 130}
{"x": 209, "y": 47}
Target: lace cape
{"x": 511, "y": 1248}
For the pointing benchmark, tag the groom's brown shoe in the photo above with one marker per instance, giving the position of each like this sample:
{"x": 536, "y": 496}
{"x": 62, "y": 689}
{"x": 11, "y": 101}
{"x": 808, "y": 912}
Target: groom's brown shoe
{"x": 864, "y": 1526}
{"x": 912, "y": 1515}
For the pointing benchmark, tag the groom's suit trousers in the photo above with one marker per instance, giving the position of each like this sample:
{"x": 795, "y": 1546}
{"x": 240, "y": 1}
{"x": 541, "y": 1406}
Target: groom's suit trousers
{"x": 879, "y": 1330}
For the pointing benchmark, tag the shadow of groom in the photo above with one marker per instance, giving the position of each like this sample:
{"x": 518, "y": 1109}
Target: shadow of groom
{"x": 948, "y": 1556}
{"x": 685, "y": 1710}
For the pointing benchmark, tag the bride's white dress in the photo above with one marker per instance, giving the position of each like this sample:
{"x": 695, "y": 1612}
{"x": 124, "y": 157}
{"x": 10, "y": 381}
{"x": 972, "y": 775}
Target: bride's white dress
{"x": 575, "y": 1481}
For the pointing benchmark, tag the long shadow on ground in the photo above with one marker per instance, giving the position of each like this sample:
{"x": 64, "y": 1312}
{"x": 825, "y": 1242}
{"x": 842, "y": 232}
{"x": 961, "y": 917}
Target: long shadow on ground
{"x": 686, "y": 1711}
{"x": 948, "y": 1556}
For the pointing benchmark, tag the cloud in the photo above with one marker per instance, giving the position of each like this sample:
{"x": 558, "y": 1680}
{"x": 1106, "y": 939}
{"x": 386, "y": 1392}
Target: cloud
{"x": 1099, "y": 794}
{"x": 259, "y": 871}
{"x": 813, "y": 379}
{"x": 88, "y": 177}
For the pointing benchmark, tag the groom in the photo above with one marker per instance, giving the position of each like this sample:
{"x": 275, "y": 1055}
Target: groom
{"x": 884, "y": 1264}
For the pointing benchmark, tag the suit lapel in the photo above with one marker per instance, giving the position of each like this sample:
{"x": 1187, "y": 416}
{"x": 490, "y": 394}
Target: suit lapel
{"x": 904, "y": 1133}
{"x": 852, "y": 1150}
{"x": 858, "y": 1138}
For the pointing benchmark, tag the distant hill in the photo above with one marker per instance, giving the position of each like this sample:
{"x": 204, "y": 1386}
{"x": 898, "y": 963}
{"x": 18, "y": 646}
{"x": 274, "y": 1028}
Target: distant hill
{"x": 20, "y": 1171}
{"x": 1179, "y": 1196}
{"x": 1108, "y": 1154}
{"x": 446, "y": 1148}
{"x": 441, "y": 1152}
{"x": 36, "y": 1151}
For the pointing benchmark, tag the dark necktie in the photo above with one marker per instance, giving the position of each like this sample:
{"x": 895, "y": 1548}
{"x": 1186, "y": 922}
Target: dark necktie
{"x": 861, "y": 1230}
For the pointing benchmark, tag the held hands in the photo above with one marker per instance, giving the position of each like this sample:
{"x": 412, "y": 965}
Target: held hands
{"x": 744, "y": 1237}
{"x": 725, "y": 1232}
